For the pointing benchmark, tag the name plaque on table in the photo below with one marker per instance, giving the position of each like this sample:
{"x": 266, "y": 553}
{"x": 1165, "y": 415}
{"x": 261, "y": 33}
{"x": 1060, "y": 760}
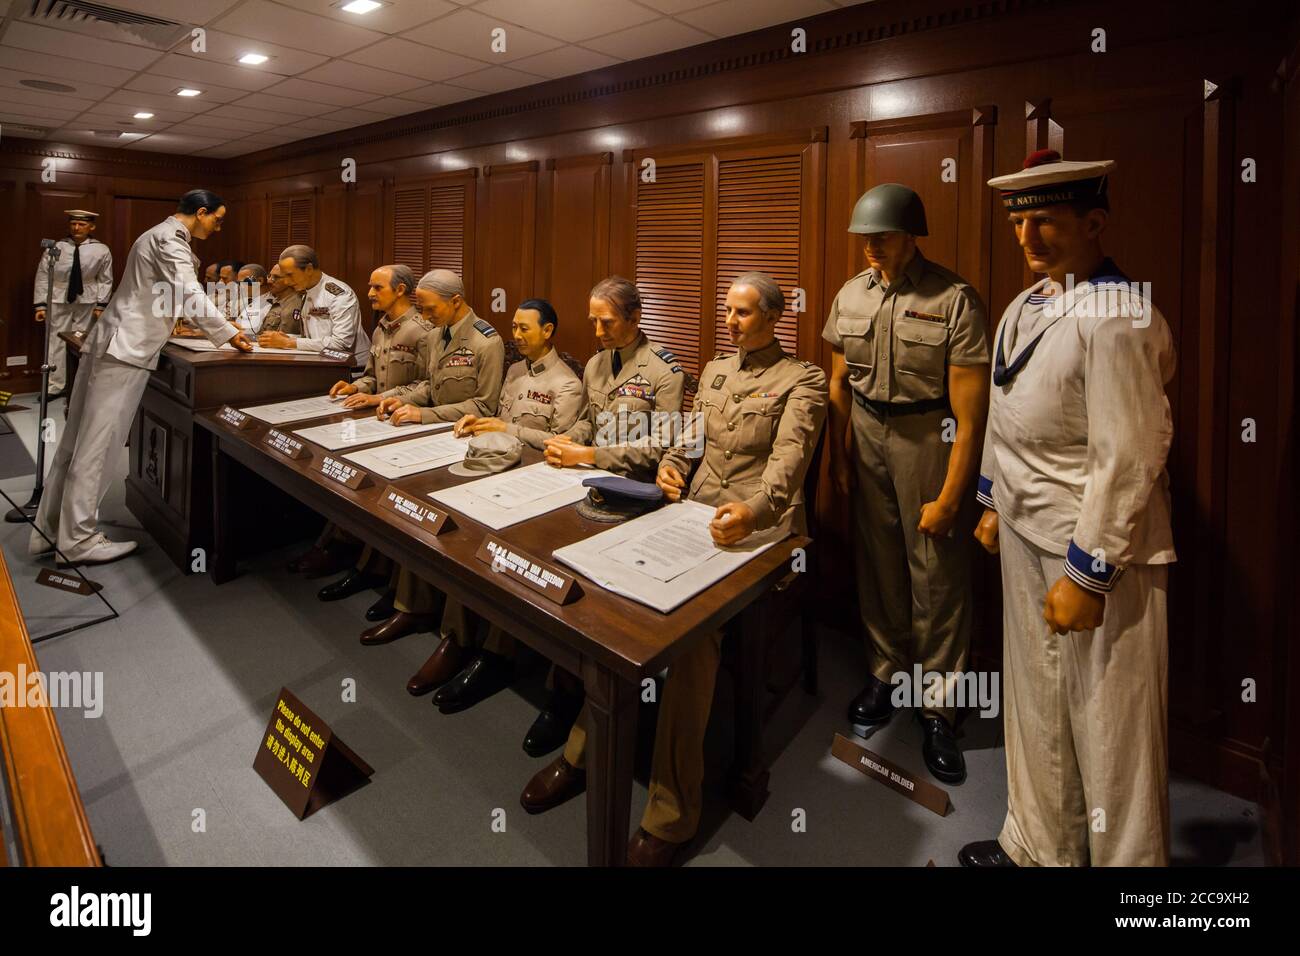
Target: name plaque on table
{"x": 541, "y": 576}
{"x": 234, "y": 418}
{"x": 278, "y": 441}
{"x": 337, "y": 354}
{"x": 349, "y": 475}
{"x": 423, "y": 516}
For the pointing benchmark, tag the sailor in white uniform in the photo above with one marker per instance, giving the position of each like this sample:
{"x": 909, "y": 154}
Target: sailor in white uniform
{"x": 331, "y": 315}
{"x": 158, "y": 287}
{"x": 83, "y": 281}
{"x": 1077, "y": 504}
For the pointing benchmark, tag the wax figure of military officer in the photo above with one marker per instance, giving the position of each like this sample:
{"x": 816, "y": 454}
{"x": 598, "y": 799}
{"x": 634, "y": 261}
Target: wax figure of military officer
{"x": 282, "y": 311}
{"x": 1077, "y": 505}
{"x": 910, "y": 354}
{"x": 760, "y": 413}
{"x": 83, "y": 281}
{"x": 465, "y": 366}
{"x": 331, "y": 316}
{"x": 541, "y": 397}
{"x": 158, "y": 287}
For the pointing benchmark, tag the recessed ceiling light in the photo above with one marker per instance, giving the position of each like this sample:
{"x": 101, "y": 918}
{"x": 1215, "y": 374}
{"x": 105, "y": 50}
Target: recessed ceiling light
{"x": 143, "y": 115}
{"x": 186, "y": 91}
{"x": 361, "y": 6}
{"x": 253, "y": 59}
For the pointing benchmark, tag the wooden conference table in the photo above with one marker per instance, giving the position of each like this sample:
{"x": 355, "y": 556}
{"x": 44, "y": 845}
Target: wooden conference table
{"x": 612, "y": 642}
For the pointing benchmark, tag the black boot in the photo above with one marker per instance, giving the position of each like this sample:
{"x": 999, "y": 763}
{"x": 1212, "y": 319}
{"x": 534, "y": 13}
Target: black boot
{"x": 482, "y": 677}
{"x": 354, "y": 582}
{"x": 984, "y": 853}
{"x": 552, "y": 726}
{"x": 942, "y": 755}
{"x": 872, "y": 706}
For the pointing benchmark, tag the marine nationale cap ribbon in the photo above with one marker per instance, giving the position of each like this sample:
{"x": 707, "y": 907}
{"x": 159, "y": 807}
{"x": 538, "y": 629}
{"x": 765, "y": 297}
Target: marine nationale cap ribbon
{"x": 1046, "y": 180}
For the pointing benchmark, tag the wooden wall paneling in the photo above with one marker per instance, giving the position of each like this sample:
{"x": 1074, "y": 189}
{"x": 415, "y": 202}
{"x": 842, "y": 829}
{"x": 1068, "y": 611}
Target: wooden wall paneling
{"x": 330, "y": 229}
{"x": 17, "y": 301}
{"x": 812, "y": 245}
{"x": 364, "y": 249}
{"x": 508, "y": 239}
{"x": 574, "y": 243}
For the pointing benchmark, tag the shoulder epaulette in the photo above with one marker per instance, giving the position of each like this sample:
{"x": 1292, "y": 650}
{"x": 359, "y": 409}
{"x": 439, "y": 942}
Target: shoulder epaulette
{"x": 333, "y": 288}
{"x": 485, "y": 327}
{"x": 182, "y": 235}
{"x": 668, "y": 357}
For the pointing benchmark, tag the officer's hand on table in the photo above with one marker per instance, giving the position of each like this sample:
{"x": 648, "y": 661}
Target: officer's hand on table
{"x": 274, "y": 340}
{"x": 361, "y": 400}
{"x": 670, "y": 482}
{"x": 481, "y": 425}
{"x": 986, "y": 532}
{"x": 40, "y": 315}
{"x": 732, "y": 523}
{"x": 387, "y": 406}
{"x": 563, "y": 452}
{"x": 342, "y": 388}
{"x": 464, "y": 426}
{"x": 406, "y": 415}
{"x": 936, "y": 519}
{"x": 240, "y": 342}
{"x": 1071, "y": 608}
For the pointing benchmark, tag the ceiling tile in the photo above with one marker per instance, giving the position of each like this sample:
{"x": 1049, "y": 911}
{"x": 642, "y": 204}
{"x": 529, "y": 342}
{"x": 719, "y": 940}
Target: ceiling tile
{"x": 67, "y": 70}
{"x": 496, "y": 79}
{"x": 394, "y": 106}
{"x": 355, "y": 76}
{"x": 118, "y": 114}
{"x": 167, "y": 86}
{"x": 565, "y": 61}
{"x": 314, "y": 125}
{"x": 83, "y": 91}
{"x": 226, "y": 151}
{"x": 174, "y": 143}
{"x": 316, "y": 93}
{"x": 27, "y": 36}
{"x": 71, "y": 134}
{"x": 570, "y": 20}
{"x": 395, "y": 16}
{"x": 40, "y": 115}
{"x": 296, "y": 28}
{"x": 226, "y": 126}
{"x": 671, "y": 7}
{"x": 197, "y": 71}
{"x": 356, "y": 117}
{"x": 22, "y": 119}
{"x": 470, "y": 34}
{"x": 648, "y": 39}
{"x": 254, "y": 114}
{"x": 416, "y": 59}
{"x": 195, "y": 11}
{"x": 732, "y": 17}
{"x": 438, "y": 94}
{"x": 227, "y": 48}
{"x": 39, "y": 100}
{"x": 157, "y": 102}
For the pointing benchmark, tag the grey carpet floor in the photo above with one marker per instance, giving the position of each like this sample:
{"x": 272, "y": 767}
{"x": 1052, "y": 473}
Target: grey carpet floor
{"x": 191, "y": 671}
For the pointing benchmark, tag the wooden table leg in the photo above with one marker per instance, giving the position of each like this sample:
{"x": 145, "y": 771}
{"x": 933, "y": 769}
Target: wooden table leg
{"x": 748, "y": 776}
{"x": 611, "y": 750}
{"x": 221, "y": 562}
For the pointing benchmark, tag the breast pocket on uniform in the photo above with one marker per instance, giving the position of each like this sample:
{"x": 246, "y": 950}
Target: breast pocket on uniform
{"x": 922, "y": 350}
{"x": 759, "y": 418}
{"x": 403, "y": 368}
{"x": 456, "y": 385}
{"x": 858, "y": 334}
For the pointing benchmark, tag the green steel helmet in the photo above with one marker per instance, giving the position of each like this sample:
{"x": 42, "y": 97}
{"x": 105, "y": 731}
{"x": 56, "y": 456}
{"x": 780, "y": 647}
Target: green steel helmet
{"x": 889, "y": 207}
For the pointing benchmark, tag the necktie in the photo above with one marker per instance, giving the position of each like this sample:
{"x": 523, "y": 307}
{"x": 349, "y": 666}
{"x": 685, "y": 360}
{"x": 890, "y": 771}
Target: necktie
{"x": 446, "y": 335}
{"x": 75, "y": 286}
{"x": 617, "y": 361}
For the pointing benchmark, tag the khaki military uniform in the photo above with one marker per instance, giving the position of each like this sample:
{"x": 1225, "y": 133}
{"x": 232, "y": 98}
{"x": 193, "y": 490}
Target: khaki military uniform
{"x": 282, "y": 315}
{"x": 914, "y": 590}
{"x": 465, "y": 368}
{"x": 647, "y": 380}
{"x": 540, "y": 400}
{"x": 761, "y": 413}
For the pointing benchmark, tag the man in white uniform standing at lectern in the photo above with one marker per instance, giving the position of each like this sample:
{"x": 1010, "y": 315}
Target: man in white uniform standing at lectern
{"x": 158, "y": 287}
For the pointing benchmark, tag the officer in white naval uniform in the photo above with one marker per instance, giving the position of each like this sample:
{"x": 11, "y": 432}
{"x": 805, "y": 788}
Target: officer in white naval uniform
{"x": 158, "y": 287}
{"x": 83, "y": 281}
{"x": 1077, "y": 504}
{"x": 331, "y": 316}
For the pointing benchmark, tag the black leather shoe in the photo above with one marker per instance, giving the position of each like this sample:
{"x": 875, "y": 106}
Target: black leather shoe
{"x": 382, "y": 609}
{"x": 482, "y": 677}
{"x": 984, "y": 853}
{"x": 354, "y": 582}
{"x": 552, "y": 726}
{"x": 872, "y": 706}
{"x": 942, "y": 755}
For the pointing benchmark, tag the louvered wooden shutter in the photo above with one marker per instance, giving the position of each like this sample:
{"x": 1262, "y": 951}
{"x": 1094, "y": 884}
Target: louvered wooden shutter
{"x": 758, "y": 230}
{"x": 670, "y": 259}
{"x": 408, "y": 228}
{"x": 300, "y": 221}
{"x": 447, "y": 228}
{"x": 279, "y": 234}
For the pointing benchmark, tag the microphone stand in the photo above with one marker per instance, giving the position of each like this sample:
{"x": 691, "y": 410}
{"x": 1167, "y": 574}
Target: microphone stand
{"x": 27, "y": 512}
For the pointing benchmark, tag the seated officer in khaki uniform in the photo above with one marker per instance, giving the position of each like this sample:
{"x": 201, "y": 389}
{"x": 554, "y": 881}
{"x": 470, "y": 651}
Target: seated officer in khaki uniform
{"x": 910, "y": 356}
{"x": 399, "y": 354}
{"x": 463, "y": 377}
{"x": 282, "y": 311}
{"x": 761, "y": 413}
{"x": 541, "y": 396}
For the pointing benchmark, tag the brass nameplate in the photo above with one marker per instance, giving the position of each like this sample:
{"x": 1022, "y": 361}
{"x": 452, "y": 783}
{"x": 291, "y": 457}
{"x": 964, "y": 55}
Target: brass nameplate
{"x": 278, "y": 441}
{"x": 423, "y": 516}
{"x": 544, "y": 578}
{"x": 345, "y": 474}
{"x": 234, "y": 417}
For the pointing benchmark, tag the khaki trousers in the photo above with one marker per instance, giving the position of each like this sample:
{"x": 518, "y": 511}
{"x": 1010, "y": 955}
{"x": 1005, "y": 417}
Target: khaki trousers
{"x": 104, "y": 401}
{"x": 913, "y": 590}
{"x": 1086, "y": 718}
{"x": 677, "y": 772}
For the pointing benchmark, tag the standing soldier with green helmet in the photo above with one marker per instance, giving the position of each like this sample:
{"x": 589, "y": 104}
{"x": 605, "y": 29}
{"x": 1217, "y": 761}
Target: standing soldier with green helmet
{"x": 909, "y": 393}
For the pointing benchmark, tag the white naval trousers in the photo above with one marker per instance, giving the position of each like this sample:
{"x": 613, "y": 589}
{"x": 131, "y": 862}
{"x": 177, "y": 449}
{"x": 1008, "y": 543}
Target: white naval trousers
{"x": 104, "y": 401}
{"x": 1086, "y": 719}
{"x": 64, "y": 317}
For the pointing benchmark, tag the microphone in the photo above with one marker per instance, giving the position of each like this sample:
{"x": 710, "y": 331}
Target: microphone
{"x": 51, "y": 248}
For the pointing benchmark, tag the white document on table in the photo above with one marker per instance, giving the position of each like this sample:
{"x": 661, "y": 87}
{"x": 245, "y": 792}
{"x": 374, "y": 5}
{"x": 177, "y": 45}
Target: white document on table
{"x": 510, "y": 497}
{"x": 664, "y": 558}
{"x": 363, "y": 431}
{"x": 203, "y": 345}
{"x": 405, "y": 458}
{"x": 296, "y": 410}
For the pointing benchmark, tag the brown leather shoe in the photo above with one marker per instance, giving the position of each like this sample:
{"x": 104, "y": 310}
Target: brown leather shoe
{"x": 555, "y": 783}
{"x": 399, "y": 625}
{"x": 444, "y": 664}
{"x": 646, "y": 849}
